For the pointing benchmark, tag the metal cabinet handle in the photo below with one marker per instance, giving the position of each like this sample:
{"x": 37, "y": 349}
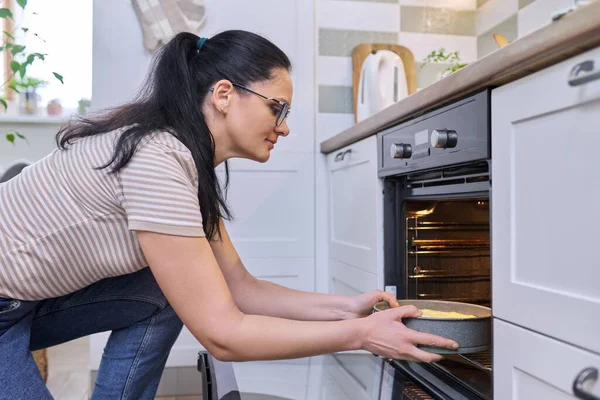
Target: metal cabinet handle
{"x": 586, "y": 378}
{"x": 349, "y": 151}
{"x": 583, "y": 73}
{"x": 338, "y": 157}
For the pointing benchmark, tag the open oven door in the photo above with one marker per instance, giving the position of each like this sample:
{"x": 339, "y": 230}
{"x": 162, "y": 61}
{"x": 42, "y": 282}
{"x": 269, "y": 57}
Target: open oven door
{"x": 218, "y": 378}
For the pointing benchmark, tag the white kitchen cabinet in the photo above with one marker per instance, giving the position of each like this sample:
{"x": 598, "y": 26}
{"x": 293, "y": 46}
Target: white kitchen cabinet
{"x": 358, "y": 376}
{"x": 347, "y": 280}
{"x": 273, "y": 226}
{"x": 545, "y": 197}
{"x": 355, "y": 206}
{"x": 528, "y": 365}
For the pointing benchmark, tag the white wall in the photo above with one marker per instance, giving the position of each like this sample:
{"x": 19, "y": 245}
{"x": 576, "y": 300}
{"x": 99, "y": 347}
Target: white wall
{"x": 282, "y": 247}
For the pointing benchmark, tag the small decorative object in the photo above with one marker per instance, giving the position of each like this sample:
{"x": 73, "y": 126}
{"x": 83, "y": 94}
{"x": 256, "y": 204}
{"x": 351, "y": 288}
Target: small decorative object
{"x": 441, "y": 56}
{"x": 500, "y": 40}
{"x": 54, "y": 107}
{"x": 83, "y": 106}
{"x": 28, "y": 97}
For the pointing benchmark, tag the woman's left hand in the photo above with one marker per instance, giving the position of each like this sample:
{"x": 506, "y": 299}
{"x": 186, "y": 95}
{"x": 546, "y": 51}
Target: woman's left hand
{"x": 362, "y": 305}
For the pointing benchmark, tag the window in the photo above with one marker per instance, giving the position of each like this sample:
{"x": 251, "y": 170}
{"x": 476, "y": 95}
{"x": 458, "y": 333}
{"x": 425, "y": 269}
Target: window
{"x": 66, "y": 29}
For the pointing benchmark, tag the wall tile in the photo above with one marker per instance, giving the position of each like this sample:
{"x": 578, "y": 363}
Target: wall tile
{"x": 538, "y": 13}
{"x": 428, "y": 74}
{"x": 486, "y": 43}
{"x": 358, "y": 16}
{"x": 334, "y": 71}
{"x": 361, "y": 1}
{"x": 422, "y": 44}
{"x": 335, "y": 99}
{"x": 523, "y": 3}
{"x": 329, "y": 125}
{"x": 453, "y": 5}
{"x": 437, "y": 20}
{"x": 340, "y": 43}
{"x": 493, "y": 12}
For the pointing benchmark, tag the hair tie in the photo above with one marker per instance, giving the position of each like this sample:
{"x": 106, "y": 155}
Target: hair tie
{"x": 201, "y": 42}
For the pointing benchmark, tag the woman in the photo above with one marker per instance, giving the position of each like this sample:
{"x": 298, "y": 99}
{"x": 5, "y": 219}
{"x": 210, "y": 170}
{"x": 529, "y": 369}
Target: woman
{"x": 135, "y": 187}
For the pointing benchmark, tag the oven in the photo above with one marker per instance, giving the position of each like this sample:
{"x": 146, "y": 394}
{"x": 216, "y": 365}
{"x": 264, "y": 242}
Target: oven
{"x": 436, "y": 174}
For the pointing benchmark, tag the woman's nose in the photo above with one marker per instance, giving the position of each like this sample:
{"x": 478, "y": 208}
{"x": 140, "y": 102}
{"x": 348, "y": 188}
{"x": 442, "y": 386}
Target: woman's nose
{"x": 283, "y": 129}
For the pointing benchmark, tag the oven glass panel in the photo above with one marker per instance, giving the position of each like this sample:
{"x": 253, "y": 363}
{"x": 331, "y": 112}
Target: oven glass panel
{"x": 447, "y": 257}
{"x": 448, "y": 250}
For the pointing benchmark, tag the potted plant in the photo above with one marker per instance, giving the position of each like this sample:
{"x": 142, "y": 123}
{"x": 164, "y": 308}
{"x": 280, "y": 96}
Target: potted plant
{"x": 28, "y": 95}
{"x": 83, "y": 106}
{"x": 20, "y": 59}
{"x": 441, "y": 56}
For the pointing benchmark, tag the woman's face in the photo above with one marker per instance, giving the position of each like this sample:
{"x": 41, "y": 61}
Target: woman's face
{"x": 247, "y": 122}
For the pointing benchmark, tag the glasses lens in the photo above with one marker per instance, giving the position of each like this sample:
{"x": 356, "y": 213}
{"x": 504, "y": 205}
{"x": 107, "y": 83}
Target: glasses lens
{"x": 283, "y": 113}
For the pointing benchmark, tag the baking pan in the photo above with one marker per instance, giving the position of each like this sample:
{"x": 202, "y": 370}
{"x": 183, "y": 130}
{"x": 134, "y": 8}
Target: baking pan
{"x": 472, "y": 334}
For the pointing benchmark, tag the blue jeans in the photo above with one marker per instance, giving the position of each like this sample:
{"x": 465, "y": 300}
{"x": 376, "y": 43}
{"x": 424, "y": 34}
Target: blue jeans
{"x": 144, "y": 328}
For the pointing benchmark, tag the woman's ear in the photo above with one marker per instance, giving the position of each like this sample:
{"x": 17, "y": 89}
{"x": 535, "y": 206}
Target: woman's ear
{"x": 222, "y": 94}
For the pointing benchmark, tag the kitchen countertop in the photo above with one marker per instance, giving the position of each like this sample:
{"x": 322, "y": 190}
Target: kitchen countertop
{"x": 573, "y": 34}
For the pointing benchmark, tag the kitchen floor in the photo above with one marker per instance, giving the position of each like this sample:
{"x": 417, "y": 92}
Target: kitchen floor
{"x": 68, "y": 374}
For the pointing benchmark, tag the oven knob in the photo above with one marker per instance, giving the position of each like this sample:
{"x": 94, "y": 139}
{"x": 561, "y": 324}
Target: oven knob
{"x": 444, "y": 138}
{"x": 400, "y": 150}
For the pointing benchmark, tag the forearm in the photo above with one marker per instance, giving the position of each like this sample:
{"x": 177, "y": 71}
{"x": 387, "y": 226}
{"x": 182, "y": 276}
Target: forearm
{"x": 257, "y": 337}
{"x": 260, "y": 297}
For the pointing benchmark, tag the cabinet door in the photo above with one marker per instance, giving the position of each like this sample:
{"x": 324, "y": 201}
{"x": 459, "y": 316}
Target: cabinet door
{"x": 355, "y": 206}
{"x": 545, "y": 197}
{"x": 358, "y": 376}
{"x": 528, "y": 365}
{"x": 273, "y": 225}
{"x": 346, "y": 280}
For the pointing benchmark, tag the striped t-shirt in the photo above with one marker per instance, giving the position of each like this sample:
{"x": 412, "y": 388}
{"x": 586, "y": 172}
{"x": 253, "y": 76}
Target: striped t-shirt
{"x": 65, "y": 225}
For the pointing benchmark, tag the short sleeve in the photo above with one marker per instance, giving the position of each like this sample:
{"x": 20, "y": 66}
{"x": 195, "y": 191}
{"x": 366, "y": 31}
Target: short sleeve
{"x": 158, "y": 191}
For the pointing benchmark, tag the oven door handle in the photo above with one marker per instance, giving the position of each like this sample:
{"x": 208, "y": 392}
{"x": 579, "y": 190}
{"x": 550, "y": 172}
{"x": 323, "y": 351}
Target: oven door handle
{"x": 587, "y": 377}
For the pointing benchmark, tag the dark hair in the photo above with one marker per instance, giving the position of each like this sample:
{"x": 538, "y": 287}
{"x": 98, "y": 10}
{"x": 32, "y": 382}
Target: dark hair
{"x": 170, "y": 99}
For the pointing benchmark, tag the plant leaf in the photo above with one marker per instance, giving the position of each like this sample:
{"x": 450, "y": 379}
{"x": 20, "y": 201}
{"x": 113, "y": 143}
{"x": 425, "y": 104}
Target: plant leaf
{"x": 13, "y": 85}
{"x": 5, "y": 13}
{"x": 31, "y": 57}
{"x": 16, "y": 49}
{"x": 23, "y": 70}
{"x": 4, "y": 103}
{"x": 9, "y": 35}
{"x": 10, "y": 137}
{"x": 59, "y": 77}
{"x": 22, "y": 3}
{"x": 25, "y": 29}
{"x": 15, "y": 66}
{"x": 20, "y": 135}
{"x": 39, "y": 37}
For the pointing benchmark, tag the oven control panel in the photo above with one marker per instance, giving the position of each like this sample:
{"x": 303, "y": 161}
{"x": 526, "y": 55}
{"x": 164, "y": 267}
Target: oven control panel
{"x": 457, "y": 133}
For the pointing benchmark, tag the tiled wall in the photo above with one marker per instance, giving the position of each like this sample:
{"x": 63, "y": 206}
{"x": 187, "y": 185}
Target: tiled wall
{"x": 420, "y": 25}
{"x": 513, "y": 19}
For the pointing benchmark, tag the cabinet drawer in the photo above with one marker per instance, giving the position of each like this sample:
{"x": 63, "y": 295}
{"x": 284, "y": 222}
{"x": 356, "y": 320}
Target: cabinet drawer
{"x": 528, "y": 365}
{"x": 549, "y": 90}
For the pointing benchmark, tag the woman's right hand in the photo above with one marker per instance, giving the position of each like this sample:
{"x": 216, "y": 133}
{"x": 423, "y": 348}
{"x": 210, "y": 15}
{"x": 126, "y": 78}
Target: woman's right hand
{"x": 386, "y": 336}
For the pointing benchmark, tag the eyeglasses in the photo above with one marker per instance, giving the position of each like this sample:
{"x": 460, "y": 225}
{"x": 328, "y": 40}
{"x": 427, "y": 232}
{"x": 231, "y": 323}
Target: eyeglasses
{"x": 283, "y": 110}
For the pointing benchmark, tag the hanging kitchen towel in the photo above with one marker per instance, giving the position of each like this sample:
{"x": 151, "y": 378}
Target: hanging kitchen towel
{"x": 162, "y": 19}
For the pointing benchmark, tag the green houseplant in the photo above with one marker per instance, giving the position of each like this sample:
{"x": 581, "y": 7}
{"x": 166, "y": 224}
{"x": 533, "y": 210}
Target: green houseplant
{"x": 28, "y": 96}
{"x": 16, "y": 80}
{"x": 441, "y": 56}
